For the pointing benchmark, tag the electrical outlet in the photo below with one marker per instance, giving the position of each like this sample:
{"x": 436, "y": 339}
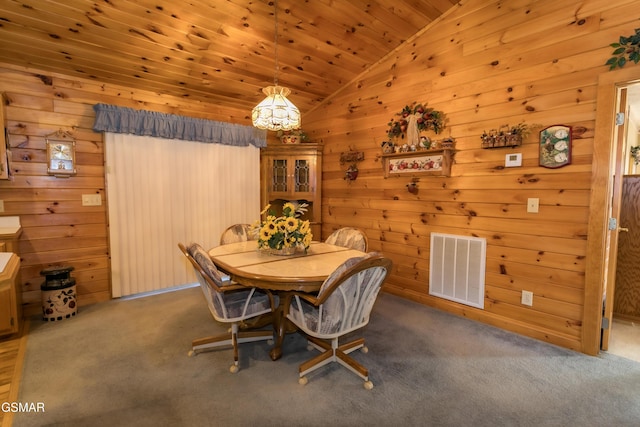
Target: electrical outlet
{"x": 91, "y": 200}
{"x": 533, "y": 203}
{"x": 1, "y": 205}
{"x": 527, "y": 298}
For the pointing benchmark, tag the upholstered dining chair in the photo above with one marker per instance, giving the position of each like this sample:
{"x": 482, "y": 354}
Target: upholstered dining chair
{"x": 237, "y": 233}
{"x": 343, "y": 305}
{"x": 349, "y": 237}
{"x": 228, "y": 303}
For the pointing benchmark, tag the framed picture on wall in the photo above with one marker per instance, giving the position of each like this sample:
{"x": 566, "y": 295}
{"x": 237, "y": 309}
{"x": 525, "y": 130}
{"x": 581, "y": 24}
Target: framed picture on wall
{"x": 555, "y": 146}
{"x": 61, "y": 154}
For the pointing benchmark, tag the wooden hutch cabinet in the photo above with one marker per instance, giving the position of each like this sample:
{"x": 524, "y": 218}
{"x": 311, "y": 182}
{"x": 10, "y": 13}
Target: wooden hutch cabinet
{"x": 10, "y": 297}
{"x": 10, "y": 293}
{"x": 293, "y": 172}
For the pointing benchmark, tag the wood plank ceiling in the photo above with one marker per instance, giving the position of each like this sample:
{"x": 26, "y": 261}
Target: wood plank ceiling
{"x": 214, "y": 51}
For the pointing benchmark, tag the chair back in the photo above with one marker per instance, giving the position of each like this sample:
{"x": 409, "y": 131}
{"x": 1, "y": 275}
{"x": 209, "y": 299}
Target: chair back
{"x": 211, "y": 280}
{"x": 347, "y": 296}
{"x": 228, "y": 301}
{"x": 349, "y": 237}
{"x": 237, "y": 233}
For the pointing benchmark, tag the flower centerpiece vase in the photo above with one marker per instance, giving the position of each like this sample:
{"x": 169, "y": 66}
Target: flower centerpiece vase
{"x": 283, "y": 251}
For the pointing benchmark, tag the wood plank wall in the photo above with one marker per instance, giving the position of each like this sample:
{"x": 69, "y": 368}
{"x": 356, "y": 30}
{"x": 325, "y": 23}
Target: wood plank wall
{"x": 57, "y": 229}
{"x": 485, "y": 64}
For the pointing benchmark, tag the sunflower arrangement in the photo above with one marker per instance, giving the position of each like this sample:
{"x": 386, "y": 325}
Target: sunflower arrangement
{"x": 283, "y": 232}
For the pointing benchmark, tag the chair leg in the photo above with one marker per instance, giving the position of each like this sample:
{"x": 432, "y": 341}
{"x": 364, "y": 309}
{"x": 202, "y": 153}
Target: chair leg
{"x": 355, "y": 367}
{"x": 332, "y": 352}
{"x": 234, "y": 343}
{"x": 250, "y": 336}
{"x": 351, "y": 364}
{"x": 209, "y": 342}
{"x": 318, "y": 344}
{"x": 352, "y": 346}
{"x": 233, "y": 338}
{"x": 315, "y": 363}
{"x": 225, "y": 340}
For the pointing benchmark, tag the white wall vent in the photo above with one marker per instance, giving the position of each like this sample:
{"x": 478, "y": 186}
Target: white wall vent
{"x": 456, "y": 268}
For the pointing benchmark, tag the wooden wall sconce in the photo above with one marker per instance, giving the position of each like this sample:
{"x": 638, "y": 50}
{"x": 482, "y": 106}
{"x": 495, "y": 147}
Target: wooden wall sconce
{"x": 412, "y": 187}
{"x": 352, "y": 173}
{"x": 352, "y": 157}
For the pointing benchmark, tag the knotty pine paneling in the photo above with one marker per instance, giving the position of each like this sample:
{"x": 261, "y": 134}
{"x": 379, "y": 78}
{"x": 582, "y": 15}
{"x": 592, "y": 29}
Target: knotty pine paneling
{"x": 57, "y": 229}
{"x": 484, "y": 65}
{"x": 218, "y": 53}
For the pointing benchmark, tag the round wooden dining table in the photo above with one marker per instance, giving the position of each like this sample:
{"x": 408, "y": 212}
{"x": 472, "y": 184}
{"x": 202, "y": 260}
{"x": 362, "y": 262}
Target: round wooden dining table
{"x": 302, "y": 272}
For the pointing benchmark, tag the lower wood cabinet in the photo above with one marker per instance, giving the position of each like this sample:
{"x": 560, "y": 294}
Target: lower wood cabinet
{"x": 10, "y": 296}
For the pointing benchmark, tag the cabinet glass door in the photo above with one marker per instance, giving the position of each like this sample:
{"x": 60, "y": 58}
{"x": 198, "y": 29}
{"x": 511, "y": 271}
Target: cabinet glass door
{"x": 302, "y": 176}
{"x": 279, "y": 176}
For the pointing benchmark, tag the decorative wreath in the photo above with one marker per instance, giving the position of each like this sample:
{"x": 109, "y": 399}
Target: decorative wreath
{"x": 425, "y": 119}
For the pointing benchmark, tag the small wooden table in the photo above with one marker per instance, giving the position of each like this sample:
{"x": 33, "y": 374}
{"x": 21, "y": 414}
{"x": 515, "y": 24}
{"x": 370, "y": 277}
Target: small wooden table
{"x": 301, "y": 272}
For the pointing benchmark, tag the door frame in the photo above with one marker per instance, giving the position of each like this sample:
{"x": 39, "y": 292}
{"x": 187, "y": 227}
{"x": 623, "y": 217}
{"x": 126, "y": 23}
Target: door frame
{"x": 615, "y": 202}
{"x": 604, "y": 163}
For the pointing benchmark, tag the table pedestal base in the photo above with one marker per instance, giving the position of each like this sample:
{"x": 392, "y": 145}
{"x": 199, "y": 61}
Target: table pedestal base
{"x": 281, "y": 325}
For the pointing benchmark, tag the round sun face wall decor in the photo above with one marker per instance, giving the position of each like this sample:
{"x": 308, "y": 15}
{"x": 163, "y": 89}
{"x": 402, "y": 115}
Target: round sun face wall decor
{"x": 555, "y": 146}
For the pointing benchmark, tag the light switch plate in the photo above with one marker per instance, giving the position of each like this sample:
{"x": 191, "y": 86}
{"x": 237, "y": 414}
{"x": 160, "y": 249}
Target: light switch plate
{"x": 533, "y": 204}
{"x": 527, "y": 298}
{"x": 513, "y": 160}
{"x": 91, "y": 200}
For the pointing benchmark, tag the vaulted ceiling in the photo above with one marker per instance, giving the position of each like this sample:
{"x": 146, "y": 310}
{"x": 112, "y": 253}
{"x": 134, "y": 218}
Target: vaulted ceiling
{"x": 215, "y": 51}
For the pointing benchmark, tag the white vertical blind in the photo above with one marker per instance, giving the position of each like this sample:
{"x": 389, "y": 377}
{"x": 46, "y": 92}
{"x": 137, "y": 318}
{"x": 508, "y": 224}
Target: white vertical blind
{"x": 164, "y": 191}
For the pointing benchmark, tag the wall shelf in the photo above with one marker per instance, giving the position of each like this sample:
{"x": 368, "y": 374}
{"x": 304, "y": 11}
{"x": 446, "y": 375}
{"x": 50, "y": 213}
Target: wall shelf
{"x": 418, "y": 163}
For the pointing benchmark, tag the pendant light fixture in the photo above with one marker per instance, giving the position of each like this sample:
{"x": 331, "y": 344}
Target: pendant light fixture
{"x": 276, "y": 112}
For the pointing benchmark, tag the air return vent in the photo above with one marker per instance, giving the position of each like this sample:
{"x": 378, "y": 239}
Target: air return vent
{"x": 456, "y": 268}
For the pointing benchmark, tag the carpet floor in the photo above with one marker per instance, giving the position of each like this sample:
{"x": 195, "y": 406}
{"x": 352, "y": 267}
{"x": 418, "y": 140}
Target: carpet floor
{"x": 125, "y": 363}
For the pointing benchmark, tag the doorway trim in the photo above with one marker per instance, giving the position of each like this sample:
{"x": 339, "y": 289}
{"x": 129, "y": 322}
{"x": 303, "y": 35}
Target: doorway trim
{"x": 601, "y": 193}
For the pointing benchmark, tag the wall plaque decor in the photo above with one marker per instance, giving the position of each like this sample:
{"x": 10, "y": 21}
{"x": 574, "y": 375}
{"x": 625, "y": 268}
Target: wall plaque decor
{"x": 407, "y": 125}
{"x": 506, "y": 136}
{"x": 352, "y": 157}
{"x": 555, "y": 146}
{"x": 61, "y": 154}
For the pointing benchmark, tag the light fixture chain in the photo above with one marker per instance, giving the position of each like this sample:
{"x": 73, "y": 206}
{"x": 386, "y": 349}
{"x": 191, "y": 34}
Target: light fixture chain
{"x": 275, "y": 15}
{"x": 276, "y": 112}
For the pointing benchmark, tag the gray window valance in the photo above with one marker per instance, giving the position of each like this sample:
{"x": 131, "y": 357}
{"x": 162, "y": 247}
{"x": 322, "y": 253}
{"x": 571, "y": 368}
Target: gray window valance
{"x": 111, "y": 118}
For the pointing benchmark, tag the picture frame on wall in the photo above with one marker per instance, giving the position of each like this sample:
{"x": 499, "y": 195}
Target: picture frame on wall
{"x": 555, "y": 146}
{"x": 61, "y": 154}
